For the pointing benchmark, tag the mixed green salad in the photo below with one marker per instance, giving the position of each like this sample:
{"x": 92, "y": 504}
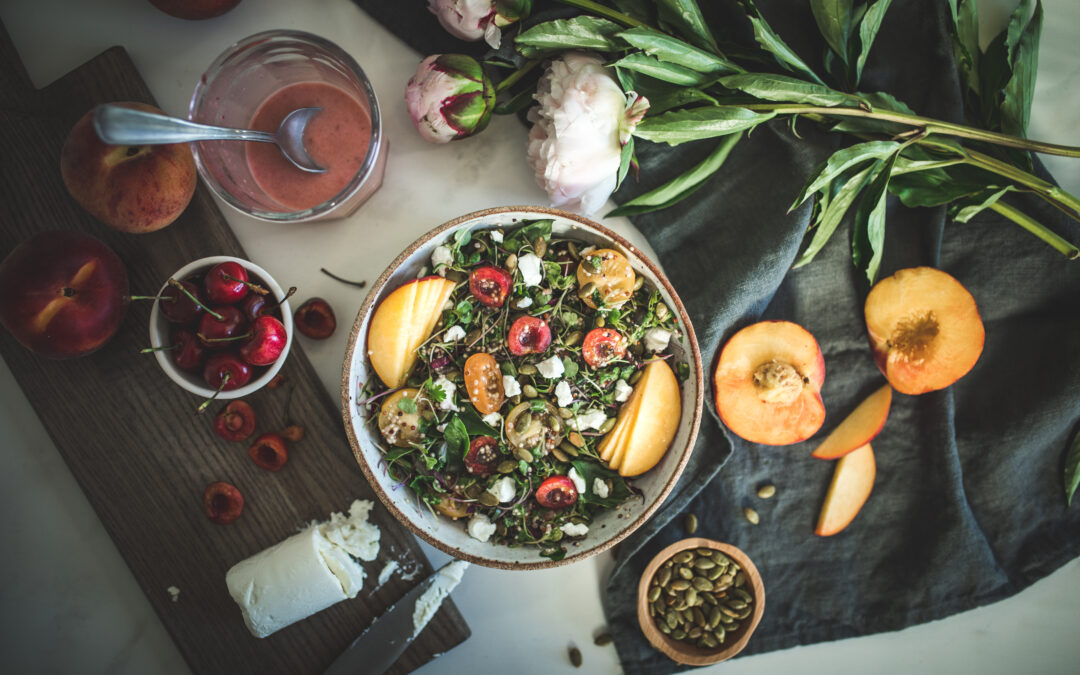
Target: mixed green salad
{"x": 500, "y": 420}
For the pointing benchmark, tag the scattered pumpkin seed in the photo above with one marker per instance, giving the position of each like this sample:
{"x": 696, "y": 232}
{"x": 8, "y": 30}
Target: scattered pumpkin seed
{"x": 635, "y": 377}
{"x": 488, "y": 499}
{"x": 600, "y": 322}
{"x": 524, "y": 455}
{"x": 602, "y": 639}
{"x": 607, "y": 426}
{"x": 573, "y": 250}
{"x": 752, "y": 515}
{"x": 664, "y": 576}
{"x": 560, "y": 455}
{"x": 568, "y": 448}
{"x": 506, "y": 466}
{"x": 766, "y": 491}
{"x": 654, "y": 594}
{"x": 685, "y": 572}
{"x": 530, "y": 392}
{"x": 577, "y": 439}
{"x": 540, "y": 246}
{"x": 679, "y": 585}
{"x": 527, "y": 369}
{"x": 586, "y": 290}
{"x": 690, "y": 523}
{"x": 573, "y": 338}
{"x": 638, "y": 283}
{"x": 575, "y": 657}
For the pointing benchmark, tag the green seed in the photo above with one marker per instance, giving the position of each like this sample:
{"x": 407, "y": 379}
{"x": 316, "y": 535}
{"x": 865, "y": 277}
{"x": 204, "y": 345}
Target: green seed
{"x": 736, "y": 604}
{"x": 662, "y": 311}
{"x": 540, "y": 246}
{"x": 635, "y": 377}
{"x": 638, "y": 283}
{"x": 679, "y": 585}
{"x": 709, "y": 598}
{"x": 699, "y": 616}
{"x": 684, "y": 557}
{"x": 702, "y": 584}
{"x": 664, "y": 576}
{"x": 573, "y": 338}
{"x": 709, "y": 641}
{"x": 659, "y": 607}
{"x": 742, "y": 595}
{"x": 695, "y": 633}
{"x": 523, "y": 422}
{"x": 573, "y": 249}
{"x": 671, "y": 619}
{"x": 511, "y": 263}
{"x": 575, "y": 657}
{"x": 690, "y": 523}
{"x": 600, "y": 322}
{"x": 685, "y": 572}
{"x": 568, "y": 448}
{"x": 727, "y": 611}
{"x": 766, "y": 491}
{"x": 714, "y": 617}
{"x": 530, "y": 392}
{"x": 527, "y": 369}
{"x": 704, "y": 564}
{"x": 665, "y": 629}
{"x": 560, "y": 455}
{"x": 586, "y": 290}
{"x": 602, "y": 639}
{"x": 714, "y": 574}
{"x": 740, "y": 579}
{"x": 607, "y": 426}
{"x": 719, "y": 634}
{"x": 691, "y": 596}
{"x": 566, "y": 413}
{"x": 719, "y": 558}
{"x": 524, "y": 455}
{"x": 678, "y": 634}
{"x": 488, "y": 499}
{"x": 654, "y": 594}
{"x": 752, "y": 515}
{"x": 577, "y": 439}
{"x": 506, "y": 466}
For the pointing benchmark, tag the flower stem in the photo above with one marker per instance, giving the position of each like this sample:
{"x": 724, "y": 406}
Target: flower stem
{"x": 512, "y": 79}
{"x": 606, "y": 12}
{"x": 1038, "y": 229}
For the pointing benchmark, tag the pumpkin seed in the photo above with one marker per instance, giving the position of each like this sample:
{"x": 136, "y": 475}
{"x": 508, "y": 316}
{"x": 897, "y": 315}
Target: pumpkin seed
{"x": 540, "y": 246}
{"x": 691, "y": 596}
{"x": 719, "y": 634}
{"x": 638, "y": 283}
{"x": 523, "y": 422}
{"x": 727, "y": 611}
{"x": 473, "y": 491}
{"x": 679, "y": 585}
{"x": 684, "y": 557}
{"x": 659, "y": 607}
{"x": 687, "y": 615}
{"x": 766, "y": 491}
{"x": 740, "y": 579}
{"x": 654, "y": 594}
{"x": 560, "y": 455}
{"x": 702, "y": 584}
{"x": 742, "y": 595}
{"x": 607, "y": 426}
{"x": 586, "y": 291}
{"x": 725, "y": 580}
{"x": 600, "y": 322}
{"x": 714, "y": 617}
{"x": 690, "y": 523}
{"x": 671, "y": 618}
{"x": 719, "y": 558}
{"x": 704, "y": 563}
{"x": 678, "y": 634}
{"x": 506, "y": 466}
{"x": 566, "y": 413}
{"x": 736, "y": 604}
{"x": 695, "y": 633}
{"x": 685, "y": 572}
{"x": 575, "y": 657}
{"x": 511, "y": 263}
{"x": 665, "y": 629}
{"x": 573, "y": 338}
{"x": 568, "y": 448}
{"x": 527, "y": 369}
{"x": 664, "y": 576}
{"x": 636, "y": 348}
{"x": 714, "y": 573}
{"x": 530, "y": 392}
{"x": 679, "y": 606}
{"x": 488, "y": 499}
{"x": 709, "y": 641}
{"x": 577, "y": 439}
{"x": 524, "y": 455}
{"x": 572, "y": 248}
{"x": 704, "y": 552}
{"x": 635, "y": 377}
{"x": 752, "y": 515}
{"x": 709, "y": 598}
{"x": 602, "y": 639}
{"x": 662, "y": 311}
{"x": 699, "y": 616}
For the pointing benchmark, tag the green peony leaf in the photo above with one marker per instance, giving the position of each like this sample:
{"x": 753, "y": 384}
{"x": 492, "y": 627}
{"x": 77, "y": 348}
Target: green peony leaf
{"x": 841, "y": 161}
{"x": 685, "y": 16}
{"x": 832, "y": 213}
{"x": 581, "y": 32}
{"x": 868, "y": 30}
{"x": 680, "y": 126}
{"x": 833, "y": 18}
{"x": 1020, "y": 89}
{"x": 868, "y": 236}
{"x": 673, "y": 50}
{"x": 782, "y": 88}
{"x": 772, "y": 43}
{"x": 1072, "y": 469}
{"x": 662, "y": 70}
{"x": 966, "y": 209}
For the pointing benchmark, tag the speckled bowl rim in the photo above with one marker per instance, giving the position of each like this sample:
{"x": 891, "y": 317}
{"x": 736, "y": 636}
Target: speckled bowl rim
{"x": 359, "y": 323}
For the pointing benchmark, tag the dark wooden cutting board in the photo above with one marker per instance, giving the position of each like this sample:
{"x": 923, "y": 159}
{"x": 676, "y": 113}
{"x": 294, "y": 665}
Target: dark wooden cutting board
{"x": 130, "y": 436}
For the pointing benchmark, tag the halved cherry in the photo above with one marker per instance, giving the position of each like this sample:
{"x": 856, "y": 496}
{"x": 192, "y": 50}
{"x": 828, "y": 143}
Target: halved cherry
{"x": 528, "y": 335}
{"x": 556, "y": 492}
{"x": 483, "y": 382}
{"x": 223, "y": 502}
{"x": 483, "y": 456}
{"x": 490, "y": 285}
{"x": 315, "y": 319}
{"x": 269, "y": 452}
{"x": 235, "y": 422}
{"x": 602, "y": 346}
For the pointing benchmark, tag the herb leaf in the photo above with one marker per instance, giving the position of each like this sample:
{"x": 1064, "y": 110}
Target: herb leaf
{"x": 787, "y": 89}
{"x": 406, "y": 405}
{"x": 474, "y": 425}
{"x": 833, "y": 18}
{"x": 841, "y": 161}
{"x": 457, "y": 437}
{"x": 868, "y": 238}
{"x": 1072, "y": 469}
{"x": 833, "y": 212}
{"x": 868, "y": 30}
{"x": 772, "y": 43}
{"x": 680, "y": 126}
{"x": 581, "y": 32}
{"x": 672, "y": 50}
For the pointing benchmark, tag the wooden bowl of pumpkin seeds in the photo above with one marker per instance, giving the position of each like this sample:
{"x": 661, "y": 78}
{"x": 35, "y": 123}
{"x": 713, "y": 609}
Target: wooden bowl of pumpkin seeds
{"x": 700, "y": 600}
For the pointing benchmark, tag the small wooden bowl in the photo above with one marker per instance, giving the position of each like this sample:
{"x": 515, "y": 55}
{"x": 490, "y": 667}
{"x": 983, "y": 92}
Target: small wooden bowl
{"x": 685, "y": 652}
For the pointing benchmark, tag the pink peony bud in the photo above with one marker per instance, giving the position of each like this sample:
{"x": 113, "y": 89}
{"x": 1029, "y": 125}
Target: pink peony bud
{"x": 450, "y": 97}
{"x": 474, "y": 19}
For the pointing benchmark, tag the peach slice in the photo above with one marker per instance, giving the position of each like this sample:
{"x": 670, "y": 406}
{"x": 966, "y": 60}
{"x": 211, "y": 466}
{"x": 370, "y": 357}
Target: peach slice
{"x": 924, "y": 328}
{"x": 611, "y": 444}
{"x": 851, "y": 484}
{"x": 654, "y": 423}
{"x": 859, "y": 428}
{"x": 768, "y": 383}
{"x": 401, "y": 323}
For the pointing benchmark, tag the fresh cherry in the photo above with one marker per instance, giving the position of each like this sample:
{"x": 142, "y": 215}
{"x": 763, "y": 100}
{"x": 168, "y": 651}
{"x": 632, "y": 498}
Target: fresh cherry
{"x": 256, "y": 305}
{"x": 235, "y": 422}
{"x": 556, "y": 492}
{"x": 483, "y": 456}
{"x": 223, "y": 502}
{"x": 219, "y": 333}
{"x": 602, "y": 346}
{"x": 226, "y": 371}
{"x": 528, "y": 335}
{"x": 266, "y": 343}
{"x": 188, "y": 352}
{"x": 182, "y": 302}
{"x": 293, "y": 433}
{"x": 490, "y": 285}
{"x": 227, "y": 283}
{"x": 269, "y": 452}
{"x": 315, "y": 319}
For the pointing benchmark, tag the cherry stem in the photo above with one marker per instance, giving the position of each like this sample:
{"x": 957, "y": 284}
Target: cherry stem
{"x": 255, "y": 288}
{"x": 358, "y": 284}
{"x": 151, "y": 297}
{"x": 150, "y": 350}
{"x": 221, "y": 387}
{"x": 225, "y": 339}
{"x": 176, "y": 284}
{"x": 288, "y": 294}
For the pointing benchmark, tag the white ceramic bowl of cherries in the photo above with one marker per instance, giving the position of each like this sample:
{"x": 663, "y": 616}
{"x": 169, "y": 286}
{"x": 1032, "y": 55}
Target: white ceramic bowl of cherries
{"x": 221, "y": 327}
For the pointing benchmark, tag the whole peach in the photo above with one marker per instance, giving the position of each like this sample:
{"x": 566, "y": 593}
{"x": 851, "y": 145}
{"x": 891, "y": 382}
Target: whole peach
{"x": 195, "y": 9}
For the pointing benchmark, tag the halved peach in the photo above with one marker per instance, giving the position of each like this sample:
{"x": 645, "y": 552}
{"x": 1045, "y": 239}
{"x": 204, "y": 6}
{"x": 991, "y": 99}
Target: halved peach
{"x": 655, "y": 421}
{"x": 924, "y": 328}
{"x": 859, "y": 428}
{"x": 611, "y": 443}
{"x": 401, "y": 323}
{"x": 768, "y": 383}
{"x": 852, "y": 482}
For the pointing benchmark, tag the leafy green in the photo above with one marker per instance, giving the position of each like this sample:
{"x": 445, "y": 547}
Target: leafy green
{"x": 868, "y": 30}
{"x": 680, "y": 126}
{"x": 456, "y": 437}
{"x": 626, "y": 158}
{"x": 580, "y": 32}
{"x": 966, "y": 42}
{"x": 832, "y": 213}
{"x": 676, "y": 97}
{"x": 965, "y": 209}
{"x": 590, "y": 472}
{"x": 685, "y": 16}
{"x": 672, "y": 50}
{"x": 841, "y": 161}
{"x": 1020, "y": 89}
{"x": 1072, "y": 469}
{"x": 772, "y": 43}
{"x": 406, "y": 405}
{"x": 474, "y": 425}
{"x": 463, "y": 313}
{"x": 528, "y": 234}
{"x": 868, "y": 236}
{"x": 770, "y": 87}
{"x": 833, "y": 18}
{"x": 662, "y": 70}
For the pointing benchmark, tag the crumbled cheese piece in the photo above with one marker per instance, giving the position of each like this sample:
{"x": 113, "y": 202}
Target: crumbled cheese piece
{"x": 454, "y": 333}
{"x": 622, "y": 390}
{"x": 574, "y": 529}
{"x": 531, "y": 269}
{"x": 492, "y": 419}
{"x": 656, "y": 339}
{"x": 510, "y": 386}
{"x": 577, "y": 480}
{"x": 448, "y": 389}
{"x": 523, "y": 303}
{"x": 480, "y": 527}
{"x": 551, "y": 367}
{"x": 600, "y": 488}
{"x": 439, "y": 427}
{"x": 504, "y": 489}
{"x": 589, "y": 419}
{"x": 496, "y": 236}
{"x": 442, "y": 256}
{"x": 563, "y": 395}
{"x": 427, "y": 604}
{"x": 388, "y": 570}
{"x": 174, "y": 593}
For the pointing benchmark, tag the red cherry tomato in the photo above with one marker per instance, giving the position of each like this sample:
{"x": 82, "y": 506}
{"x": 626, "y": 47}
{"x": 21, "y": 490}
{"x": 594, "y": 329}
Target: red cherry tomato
{"x": 556, "y": 492}
{"x": 602, "y": 346}
{"x": 269, "y": 452}
{"x": 235, "y": 422}
{"x": 483, "y": 383}
{"x": 490, "y": 285}
{"x": 483, "y": 456}
{"x": 528, "y": 335}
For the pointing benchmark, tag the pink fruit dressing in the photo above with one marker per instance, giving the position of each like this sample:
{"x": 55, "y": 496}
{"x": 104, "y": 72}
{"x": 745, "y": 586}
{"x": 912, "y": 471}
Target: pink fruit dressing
{"x": 337, "y": 139}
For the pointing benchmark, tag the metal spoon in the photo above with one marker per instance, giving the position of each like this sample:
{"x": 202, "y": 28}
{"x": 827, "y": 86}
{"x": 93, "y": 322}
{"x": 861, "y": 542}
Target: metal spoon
{"x": 117, "y": 125}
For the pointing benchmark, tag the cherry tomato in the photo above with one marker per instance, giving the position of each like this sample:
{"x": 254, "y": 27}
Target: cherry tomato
{"x": 452, "y": 508}
{"x": 483, "y": 382}
{"x": 490, "y": 285}
{"x": 483, "y": 456}
{"x": 602, "y": 346}
{"x": 398, "y": 425}
{"x": 556, "y": 492}
{"x": 528, "y": 335}
{"x": 610, "y": 273}
{"x": 269, "y": 452}
{"x": 235, "y": 422}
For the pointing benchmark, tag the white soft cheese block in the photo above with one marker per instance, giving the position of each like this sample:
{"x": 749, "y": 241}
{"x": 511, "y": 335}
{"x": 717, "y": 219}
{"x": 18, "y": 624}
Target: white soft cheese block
{"x": 446, "y": 580}
{"x": 306, "y": 573}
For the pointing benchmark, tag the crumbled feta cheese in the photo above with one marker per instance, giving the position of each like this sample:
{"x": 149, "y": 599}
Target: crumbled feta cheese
{"x": 531, "y": 268}
{"x": 454, "y": 333}
{"x": 622, "y": 390}
{"x": 656, "y": 339}
{"x": 551, "y": 367}
{"x": 492, "y": 419}
{"x": 574, "y": 529}
{"x": 496, "y": 236}
{"x": 589, "y": 419}
{"x": 442, "y": 256}
{"x": 563, "y": 395}
{"x": 510, "y": 386}
{"x": 504, "y": 489}
{"x": 448, "y": 389}
{"x": 440, "y": 427}
{"x": 480, "y": 527}
{"x": 523, "y": 303}
{"x": 600, "y": 488}
{"x": 577, "y": 480}
{"x": 388, "y": 570}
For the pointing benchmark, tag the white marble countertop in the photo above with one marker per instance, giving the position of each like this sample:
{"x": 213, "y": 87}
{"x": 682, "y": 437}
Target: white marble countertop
{"x": 68, "y": 603}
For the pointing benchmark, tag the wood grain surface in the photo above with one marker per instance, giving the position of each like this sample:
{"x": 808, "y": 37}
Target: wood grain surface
{"x": 132, "y": 440}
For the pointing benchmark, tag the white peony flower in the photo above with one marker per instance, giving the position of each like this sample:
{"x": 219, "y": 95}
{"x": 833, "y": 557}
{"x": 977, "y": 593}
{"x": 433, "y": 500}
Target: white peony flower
{"x": 449, "y": 97}
{"x": 474, "y": 19}
{"x": 580, "y": 126}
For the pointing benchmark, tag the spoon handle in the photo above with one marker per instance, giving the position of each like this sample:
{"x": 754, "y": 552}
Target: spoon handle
{"x": 117, "y": 125}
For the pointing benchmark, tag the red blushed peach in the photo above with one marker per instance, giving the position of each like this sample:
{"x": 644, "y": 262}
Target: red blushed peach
{"x": 138, "y": 188}
{"x": 768, "y": 383}
{"x": 924, "y": 328}
{"x": 194, "y": 9}
{"x": 859, "y": 428}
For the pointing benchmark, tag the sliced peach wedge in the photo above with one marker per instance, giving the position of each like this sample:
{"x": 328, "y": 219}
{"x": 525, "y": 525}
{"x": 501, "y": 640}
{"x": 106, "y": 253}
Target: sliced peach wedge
{"x": 852, "y": 482}
{"x": 768, "y": 383}
{"x": 646, "y": 424}
{"x": 401, "y": 323}
{"x": 859, "y": 428}
{"x": 924, "y": 329}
